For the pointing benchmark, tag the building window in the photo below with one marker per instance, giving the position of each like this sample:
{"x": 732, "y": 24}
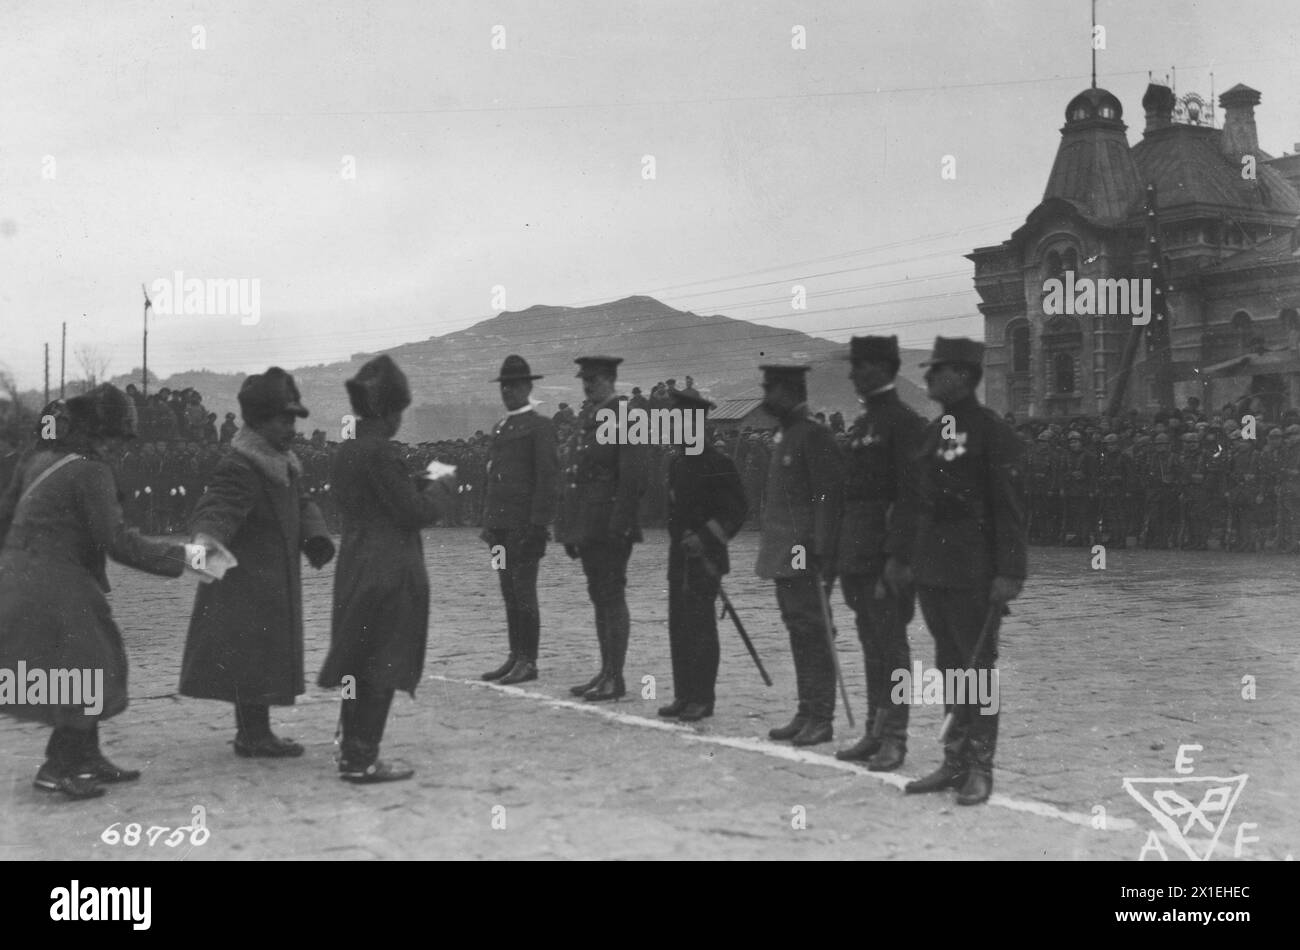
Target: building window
{"x": 1063, "y": 373}
{"x": 1020, "y": 349}
{"x": 1053, "y": 264}
{"x": 1243, "y": 330}
{"x": 1070, "y": 259}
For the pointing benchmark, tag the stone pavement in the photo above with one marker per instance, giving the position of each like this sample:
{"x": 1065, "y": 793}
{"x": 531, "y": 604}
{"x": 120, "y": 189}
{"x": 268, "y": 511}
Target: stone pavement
{"x": 1104, "y": 675}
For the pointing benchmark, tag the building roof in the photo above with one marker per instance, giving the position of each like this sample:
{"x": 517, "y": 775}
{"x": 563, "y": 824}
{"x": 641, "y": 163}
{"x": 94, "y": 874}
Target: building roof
{"x": 734, "y": 409}
{"x": 1187, "y": 167}
{"x": 1094, "y": 172}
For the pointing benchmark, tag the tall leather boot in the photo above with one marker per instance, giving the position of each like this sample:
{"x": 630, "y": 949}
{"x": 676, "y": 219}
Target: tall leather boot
{"x": 954, "y": 770}
{"x": 610, "y": 685}
{"x": 601, "y": 638}
{"x": 980, "y": 747}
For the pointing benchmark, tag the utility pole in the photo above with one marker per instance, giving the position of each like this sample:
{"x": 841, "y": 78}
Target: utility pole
{"x": 1159, "y": 345}
{"x": 145, "y": 369}
{"x": 47, "y": 375}
{"x": 63, "y": 361}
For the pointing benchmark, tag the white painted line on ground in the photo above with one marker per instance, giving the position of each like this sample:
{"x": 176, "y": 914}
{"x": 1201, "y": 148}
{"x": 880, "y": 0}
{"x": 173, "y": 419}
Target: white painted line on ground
{"x": 789, "y": 753}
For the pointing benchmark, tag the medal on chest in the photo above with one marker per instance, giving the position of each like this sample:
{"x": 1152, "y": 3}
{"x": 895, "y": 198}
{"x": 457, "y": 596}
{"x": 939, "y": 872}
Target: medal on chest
{"x": 953, "y": 448}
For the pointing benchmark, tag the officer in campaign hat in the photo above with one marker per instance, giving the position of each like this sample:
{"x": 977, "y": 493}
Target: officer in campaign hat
{"x": 706, "y": 508}
{"x": 797, "y": 546}
{"x": 606, "y": 487}
{"x": 877, "y": 534}
{"x": 970, "y": 556}
{"x": 521, "y": 476}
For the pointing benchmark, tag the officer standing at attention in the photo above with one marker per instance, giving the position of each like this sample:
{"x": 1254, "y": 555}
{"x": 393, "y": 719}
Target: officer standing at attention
{"x": 801, "y": 517}
{"x": 876, "y": 538}
{"x": 706, "y": 507}
{"x": 521, "y": 471}
{"x": 608, "y": 483}
{"x": 970, "y": 555}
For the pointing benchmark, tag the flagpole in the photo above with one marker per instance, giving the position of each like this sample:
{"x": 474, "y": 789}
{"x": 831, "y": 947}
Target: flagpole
{"x": 144, "y": 370}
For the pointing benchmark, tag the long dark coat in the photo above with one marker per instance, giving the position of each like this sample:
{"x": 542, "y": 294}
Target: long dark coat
{"x": 53, "y": 613}
{"x": 245, "y": 637}
{"x": 381, "y": 589}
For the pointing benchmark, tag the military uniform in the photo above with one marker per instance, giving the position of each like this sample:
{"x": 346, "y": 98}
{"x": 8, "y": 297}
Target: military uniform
{"x": 1113, "y": 478}
{"x": 705, "y": 500}
{"x": 880, "y": 508}
{"x": 1200, "y": 484}
{"x": 608, "y": 481}
{"x": 1078, "y": 492}
{"x": 1163, "y": 477}
{"x": 519, "y": 504}
{"x": 971, "y": 530}
{"x": 797, "y": 546}
{"x": 1045, "y": 490}
{"x": 1246, "y": 487}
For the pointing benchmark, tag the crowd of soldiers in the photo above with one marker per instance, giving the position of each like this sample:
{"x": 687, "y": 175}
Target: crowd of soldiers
{"x": 1181, "y": 482}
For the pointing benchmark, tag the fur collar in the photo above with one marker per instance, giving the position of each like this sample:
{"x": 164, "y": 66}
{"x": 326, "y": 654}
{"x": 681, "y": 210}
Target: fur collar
{"x": 272, "y": 463}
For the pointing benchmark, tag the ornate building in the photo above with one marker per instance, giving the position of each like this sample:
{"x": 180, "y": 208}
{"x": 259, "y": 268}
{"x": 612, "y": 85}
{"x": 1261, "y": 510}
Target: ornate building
{"x": 1228, "y": 226}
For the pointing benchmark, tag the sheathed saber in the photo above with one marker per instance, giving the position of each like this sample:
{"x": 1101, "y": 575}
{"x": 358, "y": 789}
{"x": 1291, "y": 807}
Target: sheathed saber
{"x": 830, "y": 644}
{"x": 995, "y": 613}
{"x": 712, "y": 571}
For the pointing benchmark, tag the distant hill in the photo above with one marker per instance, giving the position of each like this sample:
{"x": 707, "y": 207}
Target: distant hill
{"x": 450, "y": 374}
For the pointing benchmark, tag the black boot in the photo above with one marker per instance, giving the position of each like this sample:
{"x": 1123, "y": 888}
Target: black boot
{"x": 255, "y": 739}
{"x": 523, "y": 671}
{"x": 582, "y": 688}
{"x": 889, "y": 757}
{"x": 672, "y": 709}
{"x": 610, "y": 686}
{"x": 979, "y": 781}
{"x": 695, "y": 712}
{"x": 101, "y": 768}
{"x": 501, "y": 670}
{"x": 951, "y": 774}
{"x": 363, "y": 730}
{"x": 790, "y": 729}
{"x": 860, "y": 751}
{"x": 814, "y": 732}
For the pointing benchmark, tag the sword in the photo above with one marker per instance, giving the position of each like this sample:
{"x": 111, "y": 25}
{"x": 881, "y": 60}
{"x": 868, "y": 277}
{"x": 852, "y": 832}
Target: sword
{"x": 830, "y": 643}
{"x": 711, "y": 569}
{"x": 995, "y": 613}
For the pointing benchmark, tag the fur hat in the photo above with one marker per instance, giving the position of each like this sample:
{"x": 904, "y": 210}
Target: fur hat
{"x": 379, "y": 388}
{"x": 266, "y": 395}
{"x": 105, "y": 411}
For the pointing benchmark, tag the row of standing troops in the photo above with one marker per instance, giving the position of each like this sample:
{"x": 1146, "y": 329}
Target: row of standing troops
{"x": 1241, "y": 491}
{"x": 931, "y": 512}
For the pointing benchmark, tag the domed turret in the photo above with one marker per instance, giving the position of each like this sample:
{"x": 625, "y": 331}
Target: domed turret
{"x": 1094, "y": 104}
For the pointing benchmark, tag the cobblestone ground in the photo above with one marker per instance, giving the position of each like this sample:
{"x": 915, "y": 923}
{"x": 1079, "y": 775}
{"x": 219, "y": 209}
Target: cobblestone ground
{"x": 1105, "y": 674}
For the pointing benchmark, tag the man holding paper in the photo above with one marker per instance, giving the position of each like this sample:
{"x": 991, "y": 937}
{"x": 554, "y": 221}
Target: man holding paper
{"x": 381, "y": 588}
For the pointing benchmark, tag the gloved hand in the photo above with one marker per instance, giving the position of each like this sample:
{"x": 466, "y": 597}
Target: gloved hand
{"x": 896, "y": 579}
{"x": 692, "y": 546}
{"x": 319, "y": 551}
{"x": 571, "y": 550}
{"x": 1005, "y": 589}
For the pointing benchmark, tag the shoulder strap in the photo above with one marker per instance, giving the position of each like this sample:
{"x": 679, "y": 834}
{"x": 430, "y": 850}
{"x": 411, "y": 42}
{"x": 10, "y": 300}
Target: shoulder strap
{"x": 46, "y": 474}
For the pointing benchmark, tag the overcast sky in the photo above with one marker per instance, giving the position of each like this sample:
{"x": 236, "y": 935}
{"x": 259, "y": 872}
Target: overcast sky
{"x": 523, "y": 167}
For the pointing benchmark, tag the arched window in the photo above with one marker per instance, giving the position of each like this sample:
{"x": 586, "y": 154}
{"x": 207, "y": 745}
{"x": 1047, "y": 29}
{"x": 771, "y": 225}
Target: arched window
{"x": 1053, "y": 264}
{"x": 1063, "y": 373}
{"x": 1020, "y": 348}
{"x": 1070, "y": 259}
